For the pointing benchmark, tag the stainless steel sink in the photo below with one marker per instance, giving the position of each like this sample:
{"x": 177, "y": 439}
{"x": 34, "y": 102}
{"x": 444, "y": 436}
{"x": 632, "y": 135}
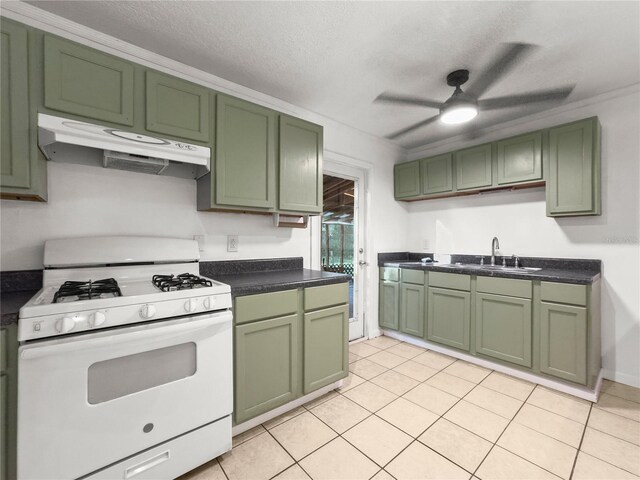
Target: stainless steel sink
{"x": 498, "y": 268}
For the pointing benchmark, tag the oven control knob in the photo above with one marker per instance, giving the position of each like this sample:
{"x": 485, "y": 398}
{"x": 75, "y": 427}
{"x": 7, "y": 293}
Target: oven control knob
{"x": 65, "y": 324}
{"x": 147, "y": 311}
{"x": 97, "y": 319}
{"x": 190, "y": 305}
{"x": 209, "y": 302}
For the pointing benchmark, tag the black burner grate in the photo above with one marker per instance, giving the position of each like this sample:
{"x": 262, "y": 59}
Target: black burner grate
{"x": 87, "y": 290}
{"x": 184, "y": 281}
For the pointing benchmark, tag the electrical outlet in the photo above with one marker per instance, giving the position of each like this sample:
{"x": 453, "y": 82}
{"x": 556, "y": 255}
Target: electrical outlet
{"x": 200, "y": 240}
{"x": 232, "y": 243}
{"x": 425, "y": 244}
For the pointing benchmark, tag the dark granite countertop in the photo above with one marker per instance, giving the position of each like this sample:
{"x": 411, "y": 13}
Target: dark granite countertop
{"x": 250, "y": 283}
{"x": 10, "y": 304}
{"x": 561, "y": 270}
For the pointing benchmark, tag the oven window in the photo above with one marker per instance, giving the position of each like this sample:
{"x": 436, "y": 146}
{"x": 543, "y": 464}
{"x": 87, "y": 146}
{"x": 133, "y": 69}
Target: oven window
{"x": 122, "y": 376}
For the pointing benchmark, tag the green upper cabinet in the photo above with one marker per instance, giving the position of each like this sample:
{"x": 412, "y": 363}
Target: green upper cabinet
{"x": 326, "y": 341}
{"x": 83, "y": 81}
{"x": 245, "y": 154}
{"x": 300, "y": 186}
{"x": 177, "y": 107}
{"x": 407, "y": 179}
{"x": 473, "y": 167}
{"x": 573, "y": 176}
{"x": 15, "y": 106}
{"x": 436, "y": 174}
{"x": 519, "y": 159}
{"x": 22, "y": 166}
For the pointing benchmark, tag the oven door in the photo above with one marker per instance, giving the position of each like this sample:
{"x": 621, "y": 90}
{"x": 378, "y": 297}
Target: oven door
{"x": 89, "y": 400}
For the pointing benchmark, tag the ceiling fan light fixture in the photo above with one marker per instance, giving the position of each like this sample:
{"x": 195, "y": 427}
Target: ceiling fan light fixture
{"x": 458, "y": 114}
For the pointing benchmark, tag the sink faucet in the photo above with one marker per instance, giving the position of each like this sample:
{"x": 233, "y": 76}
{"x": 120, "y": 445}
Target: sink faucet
{"x": 495, "y": 245}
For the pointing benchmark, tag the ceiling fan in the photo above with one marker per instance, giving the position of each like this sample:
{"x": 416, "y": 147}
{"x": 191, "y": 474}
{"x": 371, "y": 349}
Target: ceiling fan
{"x": 462, "y": 107}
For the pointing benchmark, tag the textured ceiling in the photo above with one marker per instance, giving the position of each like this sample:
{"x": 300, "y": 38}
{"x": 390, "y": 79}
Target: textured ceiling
{"x": 334, "y": 58}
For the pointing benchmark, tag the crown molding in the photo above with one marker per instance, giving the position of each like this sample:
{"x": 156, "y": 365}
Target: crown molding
{"x": 459, "y": 140}
{"x": 51, "y": 23}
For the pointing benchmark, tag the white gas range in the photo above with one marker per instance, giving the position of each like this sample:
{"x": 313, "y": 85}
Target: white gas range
{"x": 125, "y": 362}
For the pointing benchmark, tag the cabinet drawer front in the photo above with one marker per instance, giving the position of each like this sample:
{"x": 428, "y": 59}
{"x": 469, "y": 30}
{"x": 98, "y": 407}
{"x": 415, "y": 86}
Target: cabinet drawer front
{"x": 86, "y": 82}
{"x": 266, "y": 366}
{"x": 406, "y": 178}
{"x": 265, "y": 305}
{"x": 563, "y": 293}
{"x": 326, "y": 340}
{"x": 412, "y": 276}
{"x": 389, "y": 273}
{"x": 503, "y": 328}
{"x": 450, "y": 280}
{"x": 473, "y": 167}
{"x": 504, "y": 286}
{"x": 520, "y": 159}
{"x": 326, "y": 296}
{"x": 177, "y": 107}
{"x": 563, "y": 341}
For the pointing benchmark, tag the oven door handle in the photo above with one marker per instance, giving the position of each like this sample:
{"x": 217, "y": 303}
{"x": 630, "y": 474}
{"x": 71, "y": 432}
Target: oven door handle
{"x": 144, "y": 338}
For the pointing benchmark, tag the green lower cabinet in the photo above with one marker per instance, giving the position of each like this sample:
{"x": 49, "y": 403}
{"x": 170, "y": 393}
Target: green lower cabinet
{"x": 389, "y": 301}
{"x": 449, "y": 317}
{"x": 412, "y": 318}
{"x": 8, "y": 400}
{"x": 503, "y": 328}
{"x": 326, "y": 353}
{"x": 563, "y": 341}
{"x": 406, "y": 177}
{"x": 300, "y": 166}
{"x": 573, "y": 176}
{"x": 266, "y": 365}
{"x": 4, "y": 424}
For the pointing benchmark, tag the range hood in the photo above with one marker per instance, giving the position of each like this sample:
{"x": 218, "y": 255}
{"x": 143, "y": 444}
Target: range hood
{"x": 71, "y": 141}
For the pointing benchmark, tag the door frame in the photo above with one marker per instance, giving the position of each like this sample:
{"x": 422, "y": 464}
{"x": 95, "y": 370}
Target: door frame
{"x": 360, "y": 175}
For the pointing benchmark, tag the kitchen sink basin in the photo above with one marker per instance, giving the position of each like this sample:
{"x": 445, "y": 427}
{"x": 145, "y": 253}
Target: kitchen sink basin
{"x": 497, "y": 268}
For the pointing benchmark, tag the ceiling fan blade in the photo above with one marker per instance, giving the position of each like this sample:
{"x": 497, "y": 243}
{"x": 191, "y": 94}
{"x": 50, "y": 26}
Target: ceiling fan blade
{"x": 525, "y": 98}
{"x": 413, "y": 127}
{"x": 509, "y": 56}
{"x": 407, "y": 100}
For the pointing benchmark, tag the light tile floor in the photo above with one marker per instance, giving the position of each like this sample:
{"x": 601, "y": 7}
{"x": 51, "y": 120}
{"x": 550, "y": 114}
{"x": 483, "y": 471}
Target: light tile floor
{"x": 407, "y": 413}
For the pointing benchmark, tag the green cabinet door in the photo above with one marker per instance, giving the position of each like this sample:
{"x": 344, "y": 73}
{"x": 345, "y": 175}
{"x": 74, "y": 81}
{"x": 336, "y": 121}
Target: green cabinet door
{"x": 245, "y": 163}
{"x": 326, "y": 353}
{"x": 177, "y": 107}
{"x": 86, "y": 82}
{"x": 449, "y": 317}
{"x": 406, "y": 179}
{"x": 436, "y": 174}
{"x": 388, "y": 303}
{"x": 15, "y": 107}
{"x": 519, "y": 159}
{"x": 266, "y": 366}
{"x": 473, "y": 167}
{"x": 563, "y": 341}
{"x": 300, "y": 186}
{"x": 573, "y": 177}
{"x": 412, "y": 309}
{"x": 503, "y": 328}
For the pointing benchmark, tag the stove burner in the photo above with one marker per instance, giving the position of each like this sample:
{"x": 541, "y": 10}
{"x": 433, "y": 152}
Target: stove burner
{"x": 184, "y": 281}
{"x": 87, "y": 290}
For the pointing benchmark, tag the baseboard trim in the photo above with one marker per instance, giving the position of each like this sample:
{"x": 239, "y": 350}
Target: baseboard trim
{"x": 276, "y": 412}
{"x": 580, "y": 392}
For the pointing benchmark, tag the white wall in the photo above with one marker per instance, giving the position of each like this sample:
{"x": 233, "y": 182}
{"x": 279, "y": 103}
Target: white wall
{"x": 518, "y": 219}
